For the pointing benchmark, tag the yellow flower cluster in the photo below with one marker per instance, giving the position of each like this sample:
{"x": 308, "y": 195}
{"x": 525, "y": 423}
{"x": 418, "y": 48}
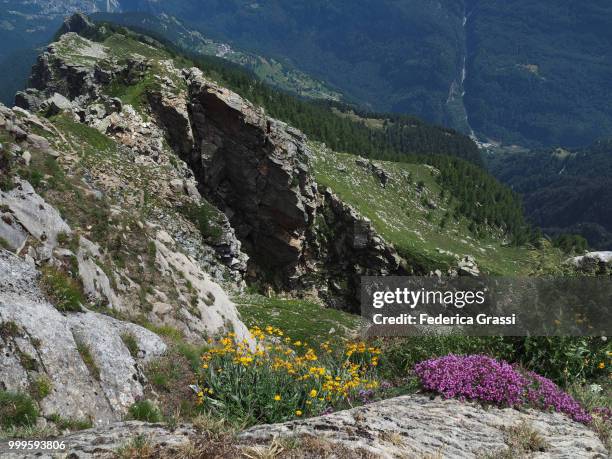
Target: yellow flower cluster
{"x": 293, "y": 371}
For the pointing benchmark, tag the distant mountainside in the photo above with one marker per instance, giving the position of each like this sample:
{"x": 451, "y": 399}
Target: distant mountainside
{"x": 564, "y": 191}
{"x": 276, "y": 73}
{"x": 514, "y": 71}
{"x": 533, "y": 73}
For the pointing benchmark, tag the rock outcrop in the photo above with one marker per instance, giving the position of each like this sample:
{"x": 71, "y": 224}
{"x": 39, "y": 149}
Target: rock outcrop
{"x": 404, "y": 427}
{"x": 30, "y": 226}
{"x": 593, "y": 262}
{"x": 257, "y": 170}
{"x": 105, "y": 442}
{"x": 254, "y": 168}
{"x": 89, "y": 370}
{"x": 416, "y": 426}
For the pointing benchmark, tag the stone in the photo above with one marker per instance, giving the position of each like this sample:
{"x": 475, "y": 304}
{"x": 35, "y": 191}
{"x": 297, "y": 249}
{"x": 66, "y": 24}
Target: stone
{"x": 30, "y": 99}
{"x": 52, "y": 340}
{"x": 416, "y": 426}
{"x": 38, "y": 142}
{"x": 177, "y": 185}
{"x": 56, "y": 104}
{"x": 592, "y": 261}
{"x": 467, "y": 266}
{"x": 26, "y": 156}
{"x": 37, "y": 217}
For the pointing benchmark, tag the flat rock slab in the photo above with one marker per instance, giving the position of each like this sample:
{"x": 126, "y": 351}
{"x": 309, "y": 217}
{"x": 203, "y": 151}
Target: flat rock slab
{"x": 416, "y": 426}
{"x": 403, "y": 427}
{"x": 105, "y": 442}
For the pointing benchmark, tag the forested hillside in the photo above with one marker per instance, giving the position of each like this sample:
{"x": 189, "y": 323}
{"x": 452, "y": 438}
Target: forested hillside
{"x": 563, "y": 190}
{"x": 513, "y": 71}
{"x": 540, "y": 72}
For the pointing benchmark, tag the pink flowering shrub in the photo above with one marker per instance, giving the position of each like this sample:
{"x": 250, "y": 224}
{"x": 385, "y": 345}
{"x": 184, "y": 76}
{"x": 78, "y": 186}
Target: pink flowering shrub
{"x": 482, "y": 378}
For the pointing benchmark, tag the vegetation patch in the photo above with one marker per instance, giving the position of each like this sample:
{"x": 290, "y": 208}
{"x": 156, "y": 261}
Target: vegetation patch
{"x": 70, "y": 424}
{"x": 205, "y": 217}
{"x": 428, "y": 225}
{"x": 16, "y": 410}
{"x": 88, "y": 359}
{"x": 483, "y": 379}
{"x": 304, "y": 320}
{"x": 145, "y": 410}
{"x": 8, "y": 330}
{"x": 137, "y": 447}
{"x": 41, "y": 387}
{"x": 64, "y": 292}
{"x": 131, "y": 343}
{"x": 283, "y": 378}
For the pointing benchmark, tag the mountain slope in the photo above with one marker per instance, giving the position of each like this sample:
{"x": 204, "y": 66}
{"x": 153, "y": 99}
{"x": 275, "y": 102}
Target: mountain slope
{"x": 540, "y": 72}
{"x": 564, "y": 191}
{"x": 532, "y": 73}
{"x": 273, "y": 72}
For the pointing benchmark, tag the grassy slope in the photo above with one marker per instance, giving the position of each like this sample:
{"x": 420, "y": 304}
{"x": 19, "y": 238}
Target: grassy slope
{"x": 300, "y": 319}
{"x": 400, "y": 215}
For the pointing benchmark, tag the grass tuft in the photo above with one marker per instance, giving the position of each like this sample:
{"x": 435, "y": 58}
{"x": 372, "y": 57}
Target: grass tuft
{"x": 145, "y": 410}
{"x": 16, "y": 410}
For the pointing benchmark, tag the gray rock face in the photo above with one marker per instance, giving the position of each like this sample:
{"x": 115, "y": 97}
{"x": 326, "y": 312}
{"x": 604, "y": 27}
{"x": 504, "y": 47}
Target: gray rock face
{"x": 105, "y": 441}
{"x": 256, "y": 169}
{"x": 415, "y": 426}
{"x": 349, "y": 247}
{"x": 47, "y": 344}
{"x": 33, "y": 214}
{"x": 592, "y": 261}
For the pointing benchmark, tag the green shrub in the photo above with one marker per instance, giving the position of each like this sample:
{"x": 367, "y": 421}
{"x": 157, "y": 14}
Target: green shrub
{"x": 145, "y": 410}
{"x": 88, "y": 359}
{"x": 205, "y": 217}
{"x": 41, "y": 387}
{"x": 565, "y": 360}
{"x": 16, "y": 410}
{"x": 70, "y": 424}
{"x": 8, "y": 330}
{"x": 4, "y": 244}
{"x": 64, "y": 292}
{"x": 130, "y": 342}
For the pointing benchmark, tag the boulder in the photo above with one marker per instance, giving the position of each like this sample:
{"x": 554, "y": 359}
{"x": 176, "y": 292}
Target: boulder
{"x": 45, "y": 343}
{"x": 30, "y": 99}
{"x": 416, "y": 426}
{"x": 56, "y": 104}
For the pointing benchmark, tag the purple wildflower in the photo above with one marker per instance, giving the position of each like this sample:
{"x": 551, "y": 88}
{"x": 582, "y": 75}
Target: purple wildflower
{"x": 482, "y": 378}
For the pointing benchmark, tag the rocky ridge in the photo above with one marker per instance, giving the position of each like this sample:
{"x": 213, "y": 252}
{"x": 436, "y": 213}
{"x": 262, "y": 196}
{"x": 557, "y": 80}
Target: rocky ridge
{"x": 255, "y": 169}
{"x": 403, "y": 427}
